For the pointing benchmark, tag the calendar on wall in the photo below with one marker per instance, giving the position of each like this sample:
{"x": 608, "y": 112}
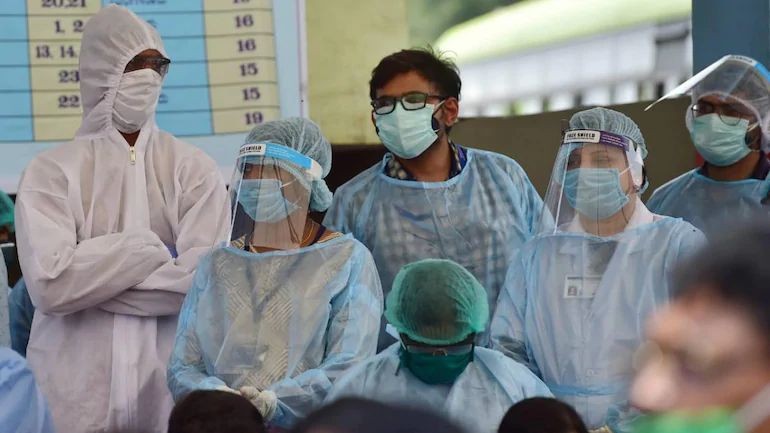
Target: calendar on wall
{"x": 235, "y": 64}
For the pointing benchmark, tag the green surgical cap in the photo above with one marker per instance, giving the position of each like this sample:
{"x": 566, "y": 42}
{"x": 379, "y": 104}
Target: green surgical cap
{"x": 437, "y": 302}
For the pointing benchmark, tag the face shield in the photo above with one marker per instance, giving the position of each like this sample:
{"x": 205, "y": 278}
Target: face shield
{"x": 732, "y": 92}
{"x": 595, "y": 175}
{"x": 269, "y": 197}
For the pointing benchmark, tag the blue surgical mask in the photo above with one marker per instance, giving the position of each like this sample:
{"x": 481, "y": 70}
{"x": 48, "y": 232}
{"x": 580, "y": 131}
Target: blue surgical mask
{"x": 595, "y": 192}
{"x": 407, "y": 133}
{"x": 717, "y": 142}
{"x": 263, "y": 200}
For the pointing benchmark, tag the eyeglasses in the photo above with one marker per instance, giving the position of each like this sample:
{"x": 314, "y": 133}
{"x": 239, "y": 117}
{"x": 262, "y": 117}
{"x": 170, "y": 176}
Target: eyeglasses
{"x": 700, "y": 363}
{"x": 158, "y": 64}
{"x": 410, "y": 101}
{"x": 462, "y": 348}
{"x": 730, "y": 114}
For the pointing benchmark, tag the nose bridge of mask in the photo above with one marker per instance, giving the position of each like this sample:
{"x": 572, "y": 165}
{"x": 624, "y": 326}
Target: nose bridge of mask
{"x": 755, "y": 411}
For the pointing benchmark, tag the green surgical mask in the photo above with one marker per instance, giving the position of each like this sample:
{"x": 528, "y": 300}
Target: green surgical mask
{"x": 707, "y": 421}
{"x": 715, "y": 420}
{"x": 435, "y": 369}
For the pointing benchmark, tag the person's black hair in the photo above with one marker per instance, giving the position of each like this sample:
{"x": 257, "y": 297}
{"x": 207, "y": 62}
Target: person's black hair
{"x": 215, "y": 412}
{"x": 434, "y": 67}
{"x": 733, "y": 267}
{"x": 542, "y": 415}
{"x": 355, "y": 415}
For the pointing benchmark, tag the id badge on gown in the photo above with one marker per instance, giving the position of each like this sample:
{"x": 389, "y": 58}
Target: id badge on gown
{"x": 581, "y": 287}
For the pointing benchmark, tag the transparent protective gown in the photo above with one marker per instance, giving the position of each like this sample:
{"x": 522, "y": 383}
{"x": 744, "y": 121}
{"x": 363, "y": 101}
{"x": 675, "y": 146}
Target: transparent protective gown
{"x": 266, "y": 312}
{"x": 576, "y": 297}
{"x": 476, "y": 219}
{"x": 477, "y": 400}
{"x": 709, "y": 204}
{"x": 22, "y": 405}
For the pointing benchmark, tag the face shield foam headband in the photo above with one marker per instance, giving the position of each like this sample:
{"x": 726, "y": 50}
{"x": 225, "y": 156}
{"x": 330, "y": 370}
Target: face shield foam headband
{"x": 278, "y": 151}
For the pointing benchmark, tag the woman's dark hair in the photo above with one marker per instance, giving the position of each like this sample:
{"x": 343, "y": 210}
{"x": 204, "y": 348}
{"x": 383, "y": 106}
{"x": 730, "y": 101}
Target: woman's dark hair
{"x": 215, "y": 412}
{"x": 435, "y": 68}
{"x": 734, "y": 268}
{"x": 355, "y": 415}
{"x": 542, "y": 415}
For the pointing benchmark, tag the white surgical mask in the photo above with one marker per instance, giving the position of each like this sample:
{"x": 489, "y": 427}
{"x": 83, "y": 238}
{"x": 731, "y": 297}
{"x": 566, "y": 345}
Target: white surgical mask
{"x": 136, "y": 99}
{"x": 407, "y": 133}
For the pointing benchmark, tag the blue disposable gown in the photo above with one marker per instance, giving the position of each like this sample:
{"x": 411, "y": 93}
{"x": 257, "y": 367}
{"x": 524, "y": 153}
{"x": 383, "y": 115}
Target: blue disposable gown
{"x": 708, "y": 204}
{"x": 476, "y": 218}
{"x": 583, "y": 348}
{"x": 288, "y": 321}
{"x": 478, "y": 399}
{"x": 22, "y": 406}
{"x": 21, "y": 311}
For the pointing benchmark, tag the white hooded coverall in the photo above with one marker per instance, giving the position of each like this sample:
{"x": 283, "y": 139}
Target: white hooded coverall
{"x": 96, "y": 220}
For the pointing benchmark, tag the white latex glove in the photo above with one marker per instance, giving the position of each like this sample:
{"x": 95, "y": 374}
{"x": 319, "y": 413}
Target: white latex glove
{"x": 266, "y": 402}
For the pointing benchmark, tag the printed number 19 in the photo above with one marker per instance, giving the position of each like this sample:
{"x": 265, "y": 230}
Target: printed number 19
{"x": 253, "y": 118}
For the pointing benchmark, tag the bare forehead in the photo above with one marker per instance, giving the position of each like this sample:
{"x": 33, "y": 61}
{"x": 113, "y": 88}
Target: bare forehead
{"x": 706, "y": 317}
{"x": 148, "y": 53}
{"x": 589, "y": 149}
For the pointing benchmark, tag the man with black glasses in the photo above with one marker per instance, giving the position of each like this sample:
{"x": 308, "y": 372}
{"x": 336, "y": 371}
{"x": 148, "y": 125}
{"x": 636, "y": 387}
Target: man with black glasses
{"x": 430, "y": 197}
{"x": 729, "y": 122}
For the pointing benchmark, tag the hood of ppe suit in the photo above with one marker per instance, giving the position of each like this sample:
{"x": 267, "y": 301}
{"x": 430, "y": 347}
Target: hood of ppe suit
{"x": 111, "y": 38}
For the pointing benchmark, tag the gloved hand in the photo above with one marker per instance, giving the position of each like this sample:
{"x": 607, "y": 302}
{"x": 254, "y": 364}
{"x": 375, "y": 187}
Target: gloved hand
{"x": 266, "y": 402}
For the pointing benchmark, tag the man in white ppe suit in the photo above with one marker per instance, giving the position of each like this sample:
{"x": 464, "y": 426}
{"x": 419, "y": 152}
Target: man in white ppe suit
{"x": 110, "y": 228}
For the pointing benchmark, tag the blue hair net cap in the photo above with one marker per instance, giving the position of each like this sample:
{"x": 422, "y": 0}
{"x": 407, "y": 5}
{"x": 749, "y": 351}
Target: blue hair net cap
{"x": 604, "y": 119}
{"x": 437, "y": 302}
{"x": 304, "y": 136}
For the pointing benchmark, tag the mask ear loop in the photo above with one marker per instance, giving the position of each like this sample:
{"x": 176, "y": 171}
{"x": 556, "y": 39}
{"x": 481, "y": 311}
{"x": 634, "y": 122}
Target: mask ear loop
{"x": 748, "y": 140}
{"x": 433, "y": 118}
{"x": 755, "y": 411}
